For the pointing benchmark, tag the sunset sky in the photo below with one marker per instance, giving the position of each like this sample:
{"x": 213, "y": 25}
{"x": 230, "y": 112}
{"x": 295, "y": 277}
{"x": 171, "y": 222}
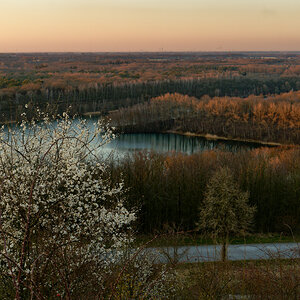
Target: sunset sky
{"x": 149, "y": 25}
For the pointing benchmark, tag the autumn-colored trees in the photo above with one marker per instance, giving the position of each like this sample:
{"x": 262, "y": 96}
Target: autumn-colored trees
{"x": 271, "y": 119}
{"x": 100, "y": 83}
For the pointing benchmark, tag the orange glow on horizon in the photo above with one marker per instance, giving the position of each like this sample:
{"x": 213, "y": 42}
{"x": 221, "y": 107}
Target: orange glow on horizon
{"x": 120, "y": 25}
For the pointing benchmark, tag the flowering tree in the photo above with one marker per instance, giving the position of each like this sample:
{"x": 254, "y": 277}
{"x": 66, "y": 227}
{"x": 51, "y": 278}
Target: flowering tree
{"x": 225, "y": 211}
{"x": 57, "y": 212}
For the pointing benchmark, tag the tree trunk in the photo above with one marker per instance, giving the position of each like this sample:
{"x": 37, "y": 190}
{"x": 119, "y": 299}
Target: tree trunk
{"x": 224, "y": 251}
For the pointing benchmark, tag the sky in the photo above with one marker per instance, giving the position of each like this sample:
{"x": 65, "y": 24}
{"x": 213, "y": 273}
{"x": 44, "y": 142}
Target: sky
{"x": 149, "y": 25}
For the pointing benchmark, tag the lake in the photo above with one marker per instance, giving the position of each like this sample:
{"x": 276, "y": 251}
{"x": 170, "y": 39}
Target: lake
{"x": 166, "y": 142}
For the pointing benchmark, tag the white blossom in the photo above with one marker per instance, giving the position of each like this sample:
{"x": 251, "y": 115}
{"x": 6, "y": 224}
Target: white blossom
{"x": 53, "y": 195}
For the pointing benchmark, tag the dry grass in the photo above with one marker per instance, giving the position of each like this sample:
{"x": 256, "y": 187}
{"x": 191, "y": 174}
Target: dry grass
{"x": 265, "y": 279}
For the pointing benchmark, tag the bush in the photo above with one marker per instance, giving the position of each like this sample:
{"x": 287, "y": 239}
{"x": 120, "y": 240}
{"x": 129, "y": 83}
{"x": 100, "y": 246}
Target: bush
{"x": 60, "y": 220}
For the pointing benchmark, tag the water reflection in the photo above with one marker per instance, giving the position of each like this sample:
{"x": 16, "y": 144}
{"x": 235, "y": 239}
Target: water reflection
{"x": 161, "y": 142}
{"x": 165, "y": 142}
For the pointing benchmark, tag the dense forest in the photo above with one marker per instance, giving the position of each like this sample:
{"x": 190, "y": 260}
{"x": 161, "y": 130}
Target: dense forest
{"x": 247, "y": 96}
{"x": 87, "y": 83}
{"x": 106, "y": 97}
{"x": 169, "y": 189}
{"x": 263, "y": 118}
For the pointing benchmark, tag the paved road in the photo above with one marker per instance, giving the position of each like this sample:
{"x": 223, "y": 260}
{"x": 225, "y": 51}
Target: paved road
{"x": 235, "y": 252}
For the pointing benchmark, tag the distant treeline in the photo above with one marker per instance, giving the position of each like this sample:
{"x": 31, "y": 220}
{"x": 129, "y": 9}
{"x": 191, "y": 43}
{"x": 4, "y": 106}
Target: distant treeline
{"x": 106, "y": 97}
{"x": 169, "y": 189}
{"x": 271, "y": 119}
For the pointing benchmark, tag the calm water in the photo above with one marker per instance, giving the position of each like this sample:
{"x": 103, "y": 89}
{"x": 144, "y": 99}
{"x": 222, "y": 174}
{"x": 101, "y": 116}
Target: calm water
{"x": 165, "y": 142}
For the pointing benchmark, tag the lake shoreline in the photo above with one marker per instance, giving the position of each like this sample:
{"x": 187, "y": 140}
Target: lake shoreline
{"x": 206, "y": 136}
{"x": 214, "y": 137}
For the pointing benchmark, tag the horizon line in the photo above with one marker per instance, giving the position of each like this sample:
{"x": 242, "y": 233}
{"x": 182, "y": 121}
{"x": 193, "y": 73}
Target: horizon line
{"x": 159, "y": 51}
